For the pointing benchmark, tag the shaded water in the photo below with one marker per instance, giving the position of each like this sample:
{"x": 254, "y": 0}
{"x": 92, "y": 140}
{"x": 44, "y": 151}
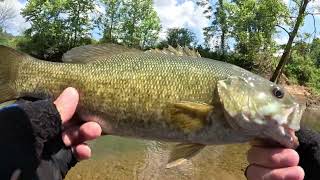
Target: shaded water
{"x": 124, "y": 158}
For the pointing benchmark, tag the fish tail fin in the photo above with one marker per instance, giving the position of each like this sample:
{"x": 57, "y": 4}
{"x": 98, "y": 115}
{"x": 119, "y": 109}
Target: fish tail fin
{"x": 9, "y": 61}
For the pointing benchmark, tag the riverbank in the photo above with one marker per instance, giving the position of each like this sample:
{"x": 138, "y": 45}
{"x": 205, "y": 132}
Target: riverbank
{"x": 311, "y": 116}
{"x": 304, "y": 95}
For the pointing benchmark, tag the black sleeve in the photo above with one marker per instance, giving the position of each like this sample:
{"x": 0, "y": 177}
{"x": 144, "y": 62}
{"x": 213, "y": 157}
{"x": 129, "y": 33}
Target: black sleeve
{"x": 309, "y": 152}
{"x": 30, "y": 141}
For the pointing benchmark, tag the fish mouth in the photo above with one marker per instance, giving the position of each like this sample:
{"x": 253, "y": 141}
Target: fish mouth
{"x": 285, "y": 127}
{"x": 293, "y": 125}
{"x": 290, "y": 139}
{"x": 295, "y": 116}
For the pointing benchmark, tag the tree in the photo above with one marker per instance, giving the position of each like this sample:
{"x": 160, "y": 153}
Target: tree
{"x": 130, "y": 22}
{"x": 140, "y": 23}
{"x": 180, "y": 36}
{"x": 302, "y": 66}
{"x": 109, "y": 22}
{"x": 302, "y": 4}
{"x": 315, "y": 51}
{"x": 254, "y": 23}
{"x": 78, "y": 22}
{"x": 219, "y": 22}
{"x": 7, "y": 13}
{"x": 56, "y": 27}
{"x": 250, "y": 24}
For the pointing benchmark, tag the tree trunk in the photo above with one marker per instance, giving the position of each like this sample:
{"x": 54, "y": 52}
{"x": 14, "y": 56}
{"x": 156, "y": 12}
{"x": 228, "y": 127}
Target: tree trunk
{"x": 286, "y": 54}
{"x": 223, "y": 27}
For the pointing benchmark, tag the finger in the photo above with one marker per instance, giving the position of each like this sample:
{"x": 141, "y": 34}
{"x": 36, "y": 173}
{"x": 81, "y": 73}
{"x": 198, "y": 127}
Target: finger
{"x": 273, "y": 157}
{"x": 67, "y": 103}
{"x": 261, "y": 173}
{"x": 82, "y": 151}
{"x": 85, "y": 132}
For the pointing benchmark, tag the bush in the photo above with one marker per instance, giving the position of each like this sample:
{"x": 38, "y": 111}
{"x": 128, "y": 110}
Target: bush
{"x": 303, "y": 71}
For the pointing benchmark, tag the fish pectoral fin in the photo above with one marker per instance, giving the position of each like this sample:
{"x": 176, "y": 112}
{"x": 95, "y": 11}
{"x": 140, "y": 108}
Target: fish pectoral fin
{"x": 200, "y": 109}
{"x": 182, "y": 152}
{"x": 95, "y": 53}
{"x": 190, "y": 116}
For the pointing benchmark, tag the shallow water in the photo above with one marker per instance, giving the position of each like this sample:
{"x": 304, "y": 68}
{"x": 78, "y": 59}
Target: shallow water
{"x": 122, "y": 158}
{"x": 118, "y": 158}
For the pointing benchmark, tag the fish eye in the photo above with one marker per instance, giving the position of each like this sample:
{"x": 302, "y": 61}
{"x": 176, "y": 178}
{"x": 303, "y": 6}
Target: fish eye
{"x": 278, "y": 92}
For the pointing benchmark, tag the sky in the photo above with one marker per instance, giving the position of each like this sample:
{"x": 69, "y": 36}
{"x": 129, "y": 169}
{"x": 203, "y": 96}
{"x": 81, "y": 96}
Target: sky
{"x": 175, "y": 13}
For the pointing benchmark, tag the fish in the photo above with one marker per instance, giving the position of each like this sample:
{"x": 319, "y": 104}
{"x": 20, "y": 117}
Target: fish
{"x": 172, "y": 95}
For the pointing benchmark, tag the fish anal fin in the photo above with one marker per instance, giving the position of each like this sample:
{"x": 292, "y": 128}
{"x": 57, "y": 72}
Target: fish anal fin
{"x": 183, "y": 152}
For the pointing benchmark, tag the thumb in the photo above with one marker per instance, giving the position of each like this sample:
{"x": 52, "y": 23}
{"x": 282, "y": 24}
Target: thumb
{"x": 67, "y": 103}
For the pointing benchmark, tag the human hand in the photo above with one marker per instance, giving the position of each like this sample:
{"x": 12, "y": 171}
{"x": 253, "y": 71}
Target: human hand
{"x": 52, "y": 143}
{"x": 273, "y": 164}
{"x": 75, "y": 135}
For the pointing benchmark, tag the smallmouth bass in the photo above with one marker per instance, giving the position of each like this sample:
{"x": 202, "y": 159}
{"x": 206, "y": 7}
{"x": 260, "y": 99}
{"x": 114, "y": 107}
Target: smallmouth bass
{"x": 171, "y": 95}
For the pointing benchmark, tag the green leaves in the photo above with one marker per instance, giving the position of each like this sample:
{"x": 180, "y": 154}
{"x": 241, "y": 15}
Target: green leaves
{"x": 179, "y": 36}
{"x": 302, "y": 67}
{"x": 254, "y": 24}
{"x": 249, "y": 25}
{"x": 109, "y": 22}
{"x": 56, "y": 27}
{"x": 130, "y": 22}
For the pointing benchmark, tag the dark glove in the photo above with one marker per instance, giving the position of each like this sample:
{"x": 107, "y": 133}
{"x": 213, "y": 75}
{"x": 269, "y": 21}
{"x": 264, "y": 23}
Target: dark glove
{"x": 309, "y": 152}
{"x": 30, "y": 140}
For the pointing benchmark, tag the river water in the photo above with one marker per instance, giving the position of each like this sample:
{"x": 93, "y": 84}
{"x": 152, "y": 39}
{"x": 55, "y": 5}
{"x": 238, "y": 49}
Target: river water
{"x": 117, "y": 158}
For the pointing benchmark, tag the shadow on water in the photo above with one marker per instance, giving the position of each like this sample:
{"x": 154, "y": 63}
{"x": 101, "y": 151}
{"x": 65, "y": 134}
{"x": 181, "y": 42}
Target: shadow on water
{"x": 124, "y": 158}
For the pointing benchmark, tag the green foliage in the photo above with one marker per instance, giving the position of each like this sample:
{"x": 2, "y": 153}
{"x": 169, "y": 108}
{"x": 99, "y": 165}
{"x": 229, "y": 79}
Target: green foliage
{"x": 254, "y": 23}
{"x": 110, "y": 21}
{"x": 220, "y": 25}
{"x": 179, "y": 36}
{"x": 141, "y": 24}
{"x": 131, "y": 22}
{"x": 250, "y": 24}
{"x": 315, "y": 52}
{"x": 56, "y": 27}
{"x": 6, "y": 39}
{"x": 302, "y": 67}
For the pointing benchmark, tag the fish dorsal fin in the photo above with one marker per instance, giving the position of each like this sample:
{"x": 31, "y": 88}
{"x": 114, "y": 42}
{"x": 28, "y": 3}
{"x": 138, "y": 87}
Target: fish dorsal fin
{"x": 95, "y": 53}
{"x": 179, "y": 51}
{"x": 12, "y": 54}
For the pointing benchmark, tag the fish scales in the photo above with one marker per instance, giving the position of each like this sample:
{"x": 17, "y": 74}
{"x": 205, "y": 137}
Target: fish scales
{"x": 160, "y": 96}
{"x": 132, "y": 87}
